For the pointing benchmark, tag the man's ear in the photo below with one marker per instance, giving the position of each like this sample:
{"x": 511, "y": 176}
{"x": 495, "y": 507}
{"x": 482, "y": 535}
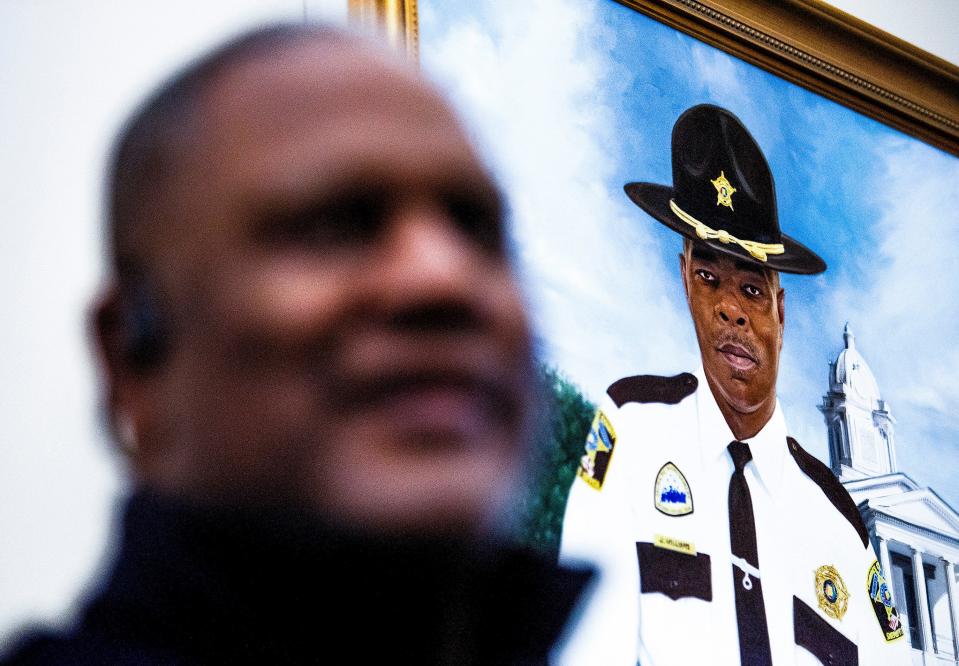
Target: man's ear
{"x": 104, "y": 323}
{"x": 682, "y": 273}
{"x": 123, "y": 388}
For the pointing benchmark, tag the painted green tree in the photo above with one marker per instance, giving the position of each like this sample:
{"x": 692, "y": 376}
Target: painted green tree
{"x": 554, "y": 461}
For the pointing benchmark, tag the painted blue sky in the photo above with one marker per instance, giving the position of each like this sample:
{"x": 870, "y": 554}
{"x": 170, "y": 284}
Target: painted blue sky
{"x": 572, "y": 99}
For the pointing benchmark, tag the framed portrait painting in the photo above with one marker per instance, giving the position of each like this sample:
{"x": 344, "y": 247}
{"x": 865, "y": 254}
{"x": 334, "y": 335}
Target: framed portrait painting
{"x": 572, "y": 99}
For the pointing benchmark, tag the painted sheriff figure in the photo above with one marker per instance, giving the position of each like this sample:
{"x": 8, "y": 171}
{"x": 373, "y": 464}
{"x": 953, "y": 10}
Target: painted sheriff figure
{"x": 721, "y": 541}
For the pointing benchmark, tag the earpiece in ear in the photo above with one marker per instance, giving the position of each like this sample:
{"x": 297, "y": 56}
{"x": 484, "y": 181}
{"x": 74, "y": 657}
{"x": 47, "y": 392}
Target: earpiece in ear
{"x": 126, "y": 433}
{"x": 145, "y": 329}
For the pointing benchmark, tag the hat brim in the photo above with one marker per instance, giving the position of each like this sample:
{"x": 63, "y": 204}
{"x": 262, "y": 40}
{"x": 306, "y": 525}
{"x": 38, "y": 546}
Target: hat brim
{"x": 654, "y": 199}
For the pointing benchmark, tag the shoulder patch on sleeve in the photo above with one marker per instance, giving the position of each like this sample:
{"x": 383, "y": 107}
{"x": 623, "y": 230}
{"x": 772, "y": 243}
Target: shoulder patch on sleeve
{"x": 599, "y": 452}
{"x": 652, "y": 388}
{"x": 881, "y": 598}
{"x": 830, "y": 486}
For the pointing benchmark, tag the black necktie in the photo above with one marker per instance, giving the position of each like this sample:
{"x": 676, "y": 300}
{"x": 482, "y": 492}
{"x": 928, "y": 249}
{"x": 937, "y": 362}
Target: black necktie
{"x": 750, "y": 611}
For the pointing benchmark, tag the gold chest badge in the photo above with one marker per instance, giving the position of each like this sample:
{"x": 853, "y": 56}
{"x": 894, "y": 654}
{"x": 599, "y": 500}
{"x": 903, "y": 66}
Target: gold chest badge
{"x": 831, "y": 592}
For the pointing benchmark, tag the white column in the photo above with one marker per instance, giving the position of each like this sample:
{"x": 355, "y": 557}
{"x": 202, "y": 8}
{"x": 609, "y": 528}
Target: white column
{"x": 922, "y": 600}
{"x": 953, "y": 601}
{"x": 886, "y": 565}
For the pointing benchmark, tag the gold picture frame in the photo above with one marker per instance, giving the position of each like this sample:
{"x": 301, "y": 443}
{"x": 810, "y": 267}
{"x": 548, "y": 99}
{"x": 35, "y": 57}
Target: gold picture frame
{"x": 806, "y": 42}
{"x": 396, "y": 20}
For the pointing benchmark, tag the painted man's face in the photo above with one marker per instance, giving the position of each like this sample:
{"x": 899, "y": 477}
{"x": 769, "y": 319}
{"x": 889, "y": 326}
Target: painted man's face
{"x": 738, "y": 312}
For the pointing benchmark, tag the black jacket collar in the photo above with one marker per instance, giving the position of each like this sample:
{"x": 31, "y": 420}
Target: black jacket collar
{"x": 197, "y": 585}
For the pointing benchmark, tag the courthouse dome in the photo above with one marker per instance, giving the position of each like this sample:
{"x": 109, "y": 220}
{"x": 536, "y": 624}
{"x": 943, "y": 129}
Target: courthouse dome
{"x": 851, "y": 374}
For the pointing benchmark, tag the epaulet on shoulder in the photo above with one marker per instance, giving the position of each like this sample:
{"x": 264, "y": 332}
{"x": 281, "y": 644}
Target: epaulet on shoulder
{"x": 652, "y": 388}
{"x": 823, "y": 477}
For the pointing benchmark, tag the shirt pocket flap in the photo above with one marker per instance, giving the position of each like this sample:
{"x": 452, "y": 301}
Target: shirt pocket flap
{"x": 674, "y": 574}
{"x": 823, "y": 640}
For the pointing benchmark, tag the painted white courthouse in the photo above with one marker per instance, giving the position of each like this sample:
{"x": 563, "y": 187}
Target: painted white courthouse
{"x": 914, "y": 531}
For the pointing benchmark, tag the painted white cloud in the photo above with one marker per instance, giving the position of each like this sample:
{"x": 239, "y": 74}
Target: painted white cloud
{"x": 738, "y": 87}
{"x": 902, "y": 305}
{"x": 909, "y": 303}
{"x": 530, "y": 81}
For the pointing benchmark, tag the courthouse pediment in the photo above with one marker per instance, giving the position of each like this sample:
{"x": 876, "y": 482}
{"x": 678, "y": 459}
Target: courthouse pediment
{"x": 887, "y": 485}
{"x": 921, "y": 507}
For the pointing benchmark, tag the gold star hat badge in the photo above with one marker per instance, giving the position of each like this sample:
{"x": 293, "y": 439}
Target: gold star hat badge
{"x": 831, "y": 592}
{"x": 724, "y": 190}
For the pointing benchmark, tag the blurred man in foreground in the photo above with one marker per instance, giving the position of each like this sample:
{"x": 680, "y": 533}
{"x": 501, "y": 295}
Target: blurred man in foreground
{"x": 317, "y": 361}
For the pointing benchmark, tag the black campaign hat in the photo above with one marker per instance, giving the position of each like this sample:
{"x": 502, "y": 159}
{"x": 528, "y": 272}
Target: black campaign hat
{"x": 723, "y": 193}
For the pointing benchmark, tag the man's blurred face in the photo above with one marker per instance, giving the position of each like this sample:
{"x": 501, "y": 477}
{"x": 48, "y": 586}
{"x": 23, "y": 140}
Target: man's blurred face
{"x": 348, "y": 332}
{"x": 738, "y": 313}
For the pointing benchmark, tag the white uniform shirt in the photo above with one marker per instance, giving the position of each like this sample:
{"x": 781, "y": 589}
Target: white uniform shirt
{"x": 799, "y": 533}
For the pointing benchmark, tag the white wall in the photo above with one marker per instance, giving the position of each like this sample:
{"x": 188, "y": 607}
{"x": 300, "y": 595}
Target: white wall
{"x": 71, "y": 71}
{"x": 932, "y": 25}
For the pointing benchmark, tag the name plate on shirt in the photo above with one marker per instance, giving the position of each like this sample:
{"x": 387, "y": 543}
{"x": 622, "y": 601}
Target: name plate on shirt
{"x": 672, "y": 543}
